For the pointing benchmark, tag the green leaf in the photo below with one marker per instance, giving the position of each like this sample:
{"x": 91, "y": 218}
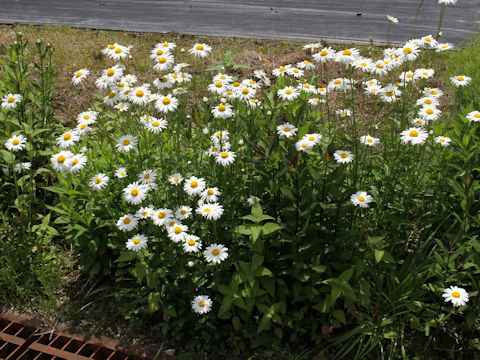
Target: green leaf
{"x": 257, "y": 261}
{"x": 153, "y": 302}
{"x": 139, "y": 271}
{"x": 340, "y": 316}
{"x": 241, "y": 66}
{"x": 8, "y": 157}
{"x": 226, "y": 305}
{"x": 127, "y": 256}
{"x": 378, "y": 255}
{"x": 270, "y": 227}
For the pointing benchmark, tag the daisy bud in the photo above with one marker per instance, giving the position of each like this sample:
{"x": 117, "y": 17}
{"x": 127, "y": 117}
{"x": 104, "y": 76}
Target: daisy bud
{"x": 431, "y": 132}
{"x": 182, "y": 49}
{"x": 189, "y": 162}
{"x": 190, "y": 264}
{"x": 200, "y": 202}
{"x": 205, "y": 131}
{"x": 223, "y": 100}
{"x": 188, "y": 116}
{"x": 240, "y": 142}
{"x": 269, "y": 113}
{"x": 205, "y": 99}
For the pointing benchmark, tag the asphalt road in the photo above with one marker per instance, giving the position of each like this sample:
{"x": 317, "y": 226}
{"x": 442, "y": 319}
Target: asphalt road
{"x": 335, "y": 20}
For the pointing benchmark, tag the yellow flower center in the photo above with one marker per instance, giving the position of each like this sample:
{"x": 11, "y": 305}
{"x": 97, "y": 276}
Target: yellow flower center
{"x": 174, "y": 76}
{"x": 306, "y": 86}
{"x": 183, "y": 211}
{"x": 126, "y": 142}
{"x": 428, "y": 39}
{"x": 425, "y": 73}
{"x": 171, "y": 223}
{"x": 304, "y": 146}
{"x": 166, "y": 101}
{"x": 159, "y": 52}
{"x": 419, "y": 121}
{"x": 156, "y": 123}
{"x": 61, "y": 159}
{"x": 288, "y": 92}
{"x": 361, "y": 198}
{"x": 456, "y": 294}
{"x": 145, "y": 213}
{"x": 409, "y": 76}
{"x": 78, "y": 74}
{"x": 369, "y": 140}
{"x": 191, "y": 242}
{"x": 194, "y": 184}
{"x": 122, "y": 174}
{"x": 282, "y": 68}
{"x": 413, "y": 133}
{"x": 222, "y": 108}
{"x": 428, "y": 101}
{"x": 210, "y": 192}
{"x": 295, "y": 71}
{"x": 324, "y": 53}
{"x": 134, "y": 192}
{"x": 380, "y": 66}
{"x": 337, "y": 82}
{"x": 111, "y": 47}
{"x": 287, "y": 129}
{"x": 218, "y": 84}
{"x": 177, "y": 229}
{"x": 442, "y": 140}
{"x": 162, "y": 60}
{"x": 245, "y": 91}
{"x": 139, "y": 93}
{"x": 200, "y": 47}
{"x": 407, "y": 50}
{"x": 83, "y": 126}
{"x": 215, "y": 252}
{"x": 161, "y": 215}
{"x": 165, "y": 44}
{"x": 223, "y": 77}
{"x": 347, "y": 52}
{"x": 118, "y": 51}
{"x": 75, "y": 162}
{"x": 176, "y": 179}
{"x": 111, "y": 95}
{"x": 477, "y": 116}
{"x": 110, "y": 72}
{"x": 434, "y": 92}
{"x": 10, "y": 100}
{"x": 364, "y": 64}
{"x": 136, "y": 241}
{"x": 224, "y": 155}
{"x": 460, "y": 78}
{"x": 429, "y": 111}
{"x": 67, "y": 137}
{"x": 146, "y": 176}
{"x": 389, "y": 93}
{"x": 98, "y": 180}
{"x": 164, "y": 79}
{"x": 202, "y": 304}
{"x": 344, "y": 155}
{"x": 15, "y": 142}
{"x": 311, "y": 138}
{"x": 207, "y": 210}
{"x": 214, "y": 149}
{"x": 86, "y": 117}
{"x": 126, "y": 221}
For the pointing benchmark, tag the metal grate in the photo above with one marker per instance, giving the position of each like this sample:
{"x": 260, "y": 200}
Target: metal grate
{"x": 22, "y": 342}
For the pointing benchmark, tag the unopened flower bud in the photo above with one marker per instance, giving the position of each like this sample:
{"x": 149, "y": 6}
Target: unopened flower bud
{"x": 205, "y": 131}
{"x": 205, "y": 99}
{"x": 190, "y": 264}
{"x": 240, "y": 142}
{"x": 223, "y": 100}
{"x": 269, "y": 113}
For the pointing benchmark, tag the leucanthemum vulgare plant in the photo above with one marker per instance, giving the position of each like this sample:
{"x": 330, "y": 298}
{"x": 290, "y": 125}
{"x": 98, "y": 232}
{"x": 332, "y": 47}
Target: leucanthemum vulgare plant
{"x": 338, "y": 246}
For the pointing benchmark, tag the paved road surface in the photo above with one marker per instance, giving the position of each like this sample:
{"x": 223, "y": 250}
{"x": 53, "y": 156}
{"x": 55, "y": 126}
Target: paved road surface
{"x": 332, "y": 20}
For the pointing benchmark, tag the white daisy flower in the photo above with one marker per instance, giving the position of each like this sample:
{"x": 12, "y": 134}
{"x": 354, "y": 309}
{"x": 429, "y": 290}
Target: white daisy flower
{"x": 460, "y": 80}
{"x": 112, "y": 98}
{"x": 10, "y": 101}
{"x": 220, "y": 136}
{"x": 163, "y": 62}
{"x": 252, "y": 200}
{"x": 210, "y": 194}
{"x": 456, "y": 295}
{"x": 121, "y": 173}
{"x": 429, "y": 113}
{"x": 192, "y": 243}
{"x": 312, "y": 139}
{"x": 76, "y": 163}
{"x": 137, "y": 242}
{"x": 61, "y": 161}
{"x": 127, "y": 222}
{"x": 164, "y": 82}
{"x": 215, "y": 253}
{"x": 166, "y": 104}
{"x": 98, "y": 182}
{"x": 194, "y": 186}
{"x": 218, "y": 87}
{"x": 282, "y": 70}
{"x": 419, "y": 122}
{"x": 145, "y": 212}
{"x": 347, "y": 56}
{"x": 434, "y": 92}
{"x": 428, "y": 101}
{"x": 369, "y": 140}
{"x": 392, "y": 19}
{"x": 424, "y": 73}
{"x": 156, "y": 125}
{"x": 473, "y": 116}
{"x": 79, "y": 76}
{"x": 140, "y": 95}
{"x": 178, "y": 233}
{"x": 225, "y": 158}
{"x": 303, "y": 145}
{"x": 183, "y": 212}
{"x": 22, "y": 166}
{"x": 316, "y": 101}
{"x": 88, "y": 117}
{"x": 361, "y": 199}
{"x": 126, "y": 143}
{"x": 135, "y": 193}
{"x": 202, "y": 304}
{"x": 287, "y": 130}
{"x": 200, "y": 50}
{"x": 288, "y": 93}
{"x": 343, "y": 112}
{"x": 175, "y": 179}
{"x": 16, "y": 143}
{"x": 442, "y": 140}
{"x": 324, "y": 55}
{"x": 162, "y": 216}
{"x": 222, "y": 111}
{"x": 414, "y": 136}
{"x": 409, "y": 52}
{"x": 213, "y": 211}
{"x": 67, "y": 139}
{"x": 343, "y": 156}
{"x": 390, "y": 93}
{"x": 311, "y": 47}
{"x": 444, "y": 47}
{"x": 429, "y": 42}
{"x": 297, "y": 73}
{"x": 307, "y": 88}
{"x": 306, "y": 65}
{"x": 147, "y": 176}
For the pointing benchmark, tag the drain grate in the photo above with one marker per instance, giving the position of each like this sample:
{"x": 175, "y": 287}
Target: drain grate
{"x": 23, "y": 342}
